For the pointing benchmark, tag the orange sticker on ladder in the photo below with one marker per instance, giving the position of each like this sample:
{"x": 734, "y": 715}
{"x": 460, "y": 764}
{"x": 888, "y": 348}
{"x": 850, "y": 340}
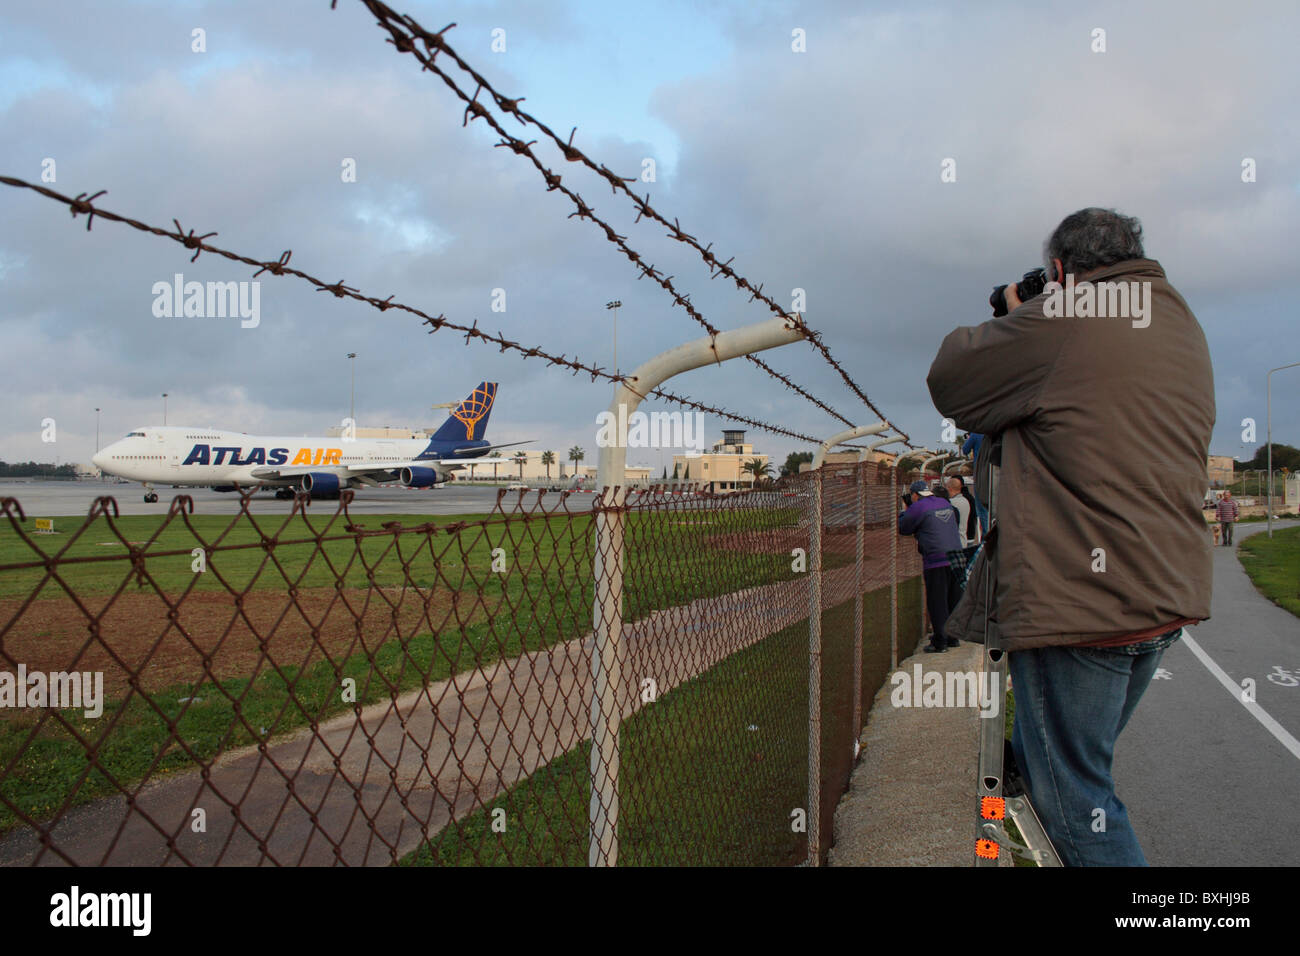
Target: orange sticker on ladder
{"x": 993, "y": 808}
{"x": 986, "y": 849}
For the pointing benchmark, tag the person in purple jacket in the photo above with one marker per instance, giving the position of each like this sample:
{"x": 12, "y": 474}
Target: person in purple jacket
{"x": 933, "y": 521}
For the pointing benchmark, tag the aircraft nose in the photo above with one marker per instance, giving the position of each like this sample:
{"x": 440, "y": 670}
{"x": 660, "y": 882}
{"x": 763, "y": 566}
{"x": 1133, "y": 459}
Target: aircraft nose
{"x": 98, "y": 459}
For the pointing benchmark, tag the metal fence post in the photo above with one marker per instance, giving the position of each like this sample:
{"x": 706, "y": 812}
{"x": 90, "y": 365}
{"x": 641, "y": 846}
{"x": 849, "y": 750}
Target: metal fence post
{"x": 815, "y": 635}
{"x": 893, "y": 576}
{"x": 815, "y": 673}
{"x": 860, "y": 559}
{"x": 607, "y": 565}
{"x": 861, "y": 497}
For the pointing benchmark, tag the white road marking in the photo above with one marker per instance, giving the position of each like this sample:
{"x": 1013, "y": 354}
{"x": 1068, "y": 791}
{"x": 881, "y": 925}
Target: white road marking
{"x": 1256, "y": 711}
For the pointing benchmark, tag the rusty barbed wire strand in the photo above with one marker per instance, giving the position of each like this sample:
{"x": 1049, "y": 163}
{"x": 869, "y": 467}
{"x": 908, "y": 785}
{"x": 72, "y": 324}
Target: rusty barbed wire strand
{"x": 81, "y": 204}
{"x": 434, "y": 43}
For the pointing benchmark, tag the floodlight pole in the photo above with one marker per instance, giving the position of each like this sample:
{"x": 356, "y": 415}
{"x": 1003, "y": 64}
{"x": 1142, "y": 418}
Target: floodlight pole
{"x": 606, "y": 709}
{"x": 614, "y": 306}
{"x": 1268, "y": 390}
{"x": 352, "y": 402}
{"x": 815, "y": 634}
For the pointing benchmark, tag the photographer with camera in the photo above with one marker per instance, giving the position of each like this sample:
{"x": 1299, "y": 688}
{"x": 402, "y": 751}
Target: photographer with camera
{"x": 934, "y": 523}
{"x": 1101, "y": 428}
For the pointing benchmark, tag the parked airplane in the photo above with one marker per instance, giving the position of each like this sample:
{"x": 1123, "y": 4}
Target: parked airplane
{"x": 228, "y": 461}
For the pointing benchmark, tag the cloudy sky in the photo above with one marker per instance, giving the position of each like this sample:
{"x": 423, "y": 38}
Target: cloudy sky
{"x": 818, "y": 170}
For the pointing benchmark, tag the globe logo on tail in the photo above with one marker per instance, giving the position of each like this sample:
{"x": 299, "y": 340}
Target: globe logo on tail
{"x": 471, "y": 411}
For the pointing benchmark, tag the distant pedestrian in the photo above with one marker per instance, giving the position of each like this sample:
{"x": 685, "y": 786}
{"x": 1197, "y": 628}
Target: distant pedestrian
{"x": 1226, "y": 514}
{"x": 959, "y": 503}
{"x": 934, "y": 522}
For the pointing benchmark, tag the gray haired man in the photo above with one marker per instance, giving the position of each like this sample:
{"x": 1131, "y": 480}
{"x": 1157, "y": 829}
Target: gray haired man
{"x": 1099, "y": 395}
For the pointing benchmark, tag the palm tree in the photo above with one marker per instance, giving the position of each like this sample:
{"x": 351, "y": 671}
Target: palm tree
{"x": 520, "y": 459}
{"x": 548, "y": 459}
{"x": 495, "y": 454}
{"x": 576, "y": 455}
{"x": 760, "y": 469}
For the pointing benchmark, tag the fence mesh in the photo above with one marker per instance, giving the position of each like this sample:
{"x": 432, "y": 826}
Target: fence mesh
{"x": 321, "y": 688}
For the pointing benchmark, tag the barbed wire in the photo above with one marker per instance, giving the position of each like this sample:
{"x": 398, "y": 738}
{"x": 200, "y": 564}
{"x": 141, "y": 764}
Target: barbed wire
{"x": 435, "y": 43}
{"x": 83, "y": 204}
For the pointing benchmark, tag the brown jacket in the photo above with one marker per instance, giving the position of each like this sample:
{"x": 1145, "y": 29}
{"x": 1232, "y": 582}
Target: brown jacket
{"x": 1105, "y": 431}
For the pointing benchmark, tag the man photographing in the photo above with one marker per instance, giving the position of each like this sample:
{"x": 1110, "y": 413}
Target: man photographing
{"x": 1097, "y": 554}
{"x": 934, "y": 523}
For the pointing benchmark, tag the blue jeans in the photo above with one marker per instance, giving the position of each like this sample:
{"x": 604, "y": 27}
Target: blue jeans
{"x": 982, "y": 515}
{"x": 1071, "y": 704}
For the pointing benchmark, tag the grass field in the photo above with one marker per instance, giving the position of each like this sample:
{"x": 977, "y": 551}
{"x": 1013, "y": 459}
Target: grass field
{"x": 711, "y": 771}
{"x": 1274, "y": 566}
{"x": 545, "y": 591}
{"x": 270, "y": 552}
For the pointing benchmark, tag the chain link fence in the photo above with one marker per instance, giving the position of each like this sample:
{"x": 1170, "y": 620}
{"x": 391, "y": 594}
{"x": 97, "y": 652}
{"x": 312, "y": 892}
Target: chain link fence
{"x": 321, "y": 688}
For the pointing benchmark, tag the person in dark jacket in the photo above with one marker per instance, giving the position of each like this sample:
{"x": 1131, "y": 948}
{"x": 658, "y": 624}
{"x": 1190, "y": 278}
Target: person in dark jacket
{"x": 1096, "y": 402}
{"x": 933, "y": 521}
{"x": 972, "y": 447}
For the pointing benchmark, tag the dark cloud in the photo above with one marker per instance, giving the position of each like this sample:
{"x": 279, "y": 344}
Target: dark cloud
{"x": 817, "y": 171}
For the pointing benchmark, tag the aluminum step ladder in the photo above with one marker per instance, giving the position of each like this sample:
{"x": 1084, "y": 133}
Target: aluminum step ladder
{"x": 1000, "y": 791}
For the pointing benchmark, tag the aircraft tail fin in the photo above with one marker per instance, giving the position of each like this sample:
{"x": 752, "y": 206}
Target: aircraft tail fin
{"x": 468, "y": 420}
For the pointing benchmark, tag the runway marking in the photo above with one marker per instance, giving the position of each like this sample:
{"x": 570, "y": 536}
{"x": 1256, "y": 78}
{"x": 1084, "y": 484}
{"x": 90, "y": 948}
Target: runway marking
{"x": 1256, "y": 711}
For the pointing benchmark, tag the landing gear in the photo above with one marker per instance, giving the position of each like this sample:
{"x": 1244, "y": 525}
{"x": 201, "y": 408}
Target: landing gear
{"x": 284, "y": 493}
{"x": 151, "y": 497}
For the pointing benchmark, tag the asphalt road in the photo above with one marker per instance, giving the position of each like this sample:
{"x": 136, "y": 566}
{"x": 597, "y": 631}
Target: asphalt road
{"x": 1208, "y": 779}
{"x": 73, "y": 499}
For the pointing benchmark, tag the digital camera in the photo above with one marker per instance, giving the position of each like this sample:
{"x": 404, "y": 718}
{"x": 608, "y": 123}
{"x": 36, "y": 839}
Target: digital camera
{"x": 1033, "y": 282}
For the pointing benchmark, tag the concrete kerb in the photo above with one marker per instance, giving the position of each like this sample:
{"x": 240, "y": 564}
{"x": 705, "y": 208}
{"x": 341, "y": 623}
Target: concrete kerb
{"x": 909, "y": 799}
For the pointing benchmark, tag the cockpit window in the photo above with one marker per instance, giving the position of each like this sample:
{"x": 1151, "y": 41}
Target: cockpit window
{"x": 135, "y": 434}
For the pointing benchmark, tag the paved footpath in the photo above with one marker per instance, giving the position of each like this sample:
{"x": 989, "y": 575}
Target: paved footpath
{"x": 1210, "y": 779}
